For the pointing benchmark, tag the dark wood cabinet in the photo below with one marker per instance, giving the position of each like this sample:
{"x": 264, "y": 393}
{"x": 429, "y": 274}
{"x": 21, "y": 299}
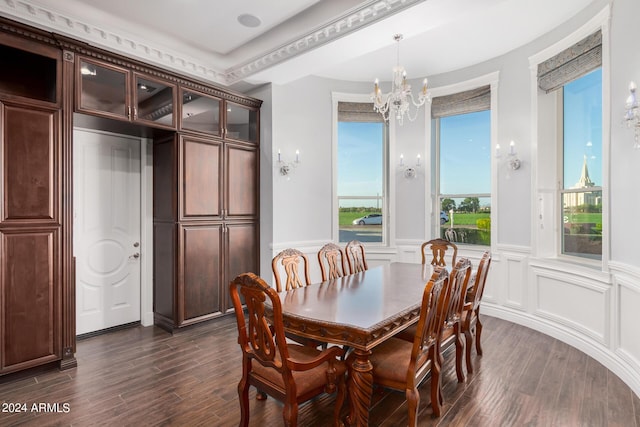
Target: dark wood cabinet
{"x": 205, "y": 195}
{"x": 30, "y": 228}
{"x": 209, "y": 232}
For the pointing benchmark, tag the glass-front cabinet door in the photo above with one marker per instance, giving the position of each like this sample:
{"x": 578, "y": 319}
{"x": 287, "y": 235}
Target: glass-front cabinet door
{"x": 200, "y": 112}
{"x": 103, "y": 89}
{"x": 241, "y": 123}
{"x": 154, "y": 101}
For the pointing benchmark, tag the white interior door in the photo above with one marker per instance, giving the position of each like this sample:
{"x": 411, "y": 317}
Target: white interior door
{"x": 106, "y": 229}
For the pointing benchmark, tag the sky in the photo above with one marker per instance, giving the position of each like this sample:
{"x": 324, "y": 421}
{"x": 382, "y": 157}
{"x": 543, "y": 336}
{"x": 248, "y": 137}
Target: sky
{"x": 583, "y": 128}
{"x": 360, "y": 146}
{"x": 465, "y": 150}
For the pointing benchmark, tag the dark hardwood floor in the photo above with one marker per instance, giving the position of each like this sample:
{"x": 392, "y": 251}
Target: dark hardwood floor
{"x": 145, "y": 376}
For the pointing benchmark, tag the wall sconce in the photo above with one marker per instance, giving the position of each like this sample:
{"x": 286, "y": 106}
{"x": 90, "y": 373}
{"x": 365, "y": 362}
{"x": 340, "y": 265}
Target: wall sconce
{"x": 513, "y": 162}
{"x": 287, "y": 168}
{"x": 409, "y": 172}
{"x": 631, "y": 115}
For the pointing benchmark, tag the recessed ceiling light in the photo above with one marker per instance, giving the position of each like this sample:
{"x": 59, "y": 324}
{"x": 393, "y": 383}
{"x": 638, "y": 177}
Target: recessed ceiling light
{"x": 249, "y": 20}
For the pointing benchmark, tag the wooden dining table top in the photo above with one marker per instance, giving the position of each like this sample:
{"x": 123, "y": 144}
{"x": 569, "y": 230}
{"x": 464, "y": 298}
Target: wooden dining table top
{"x": 360, "y": 310}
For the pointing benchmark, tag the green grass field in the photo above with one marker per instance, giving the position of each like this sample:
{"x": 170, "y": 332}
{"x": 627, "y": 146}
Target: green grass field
{"x": 469, "y": 219}
{"x": 580, "y": 218}
{"x": 459, "y": 218}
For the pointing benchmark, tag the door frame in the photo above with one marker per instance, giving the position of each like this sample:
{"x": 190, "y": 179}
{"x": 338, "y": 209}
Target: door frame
{"x": 146, "y": 223}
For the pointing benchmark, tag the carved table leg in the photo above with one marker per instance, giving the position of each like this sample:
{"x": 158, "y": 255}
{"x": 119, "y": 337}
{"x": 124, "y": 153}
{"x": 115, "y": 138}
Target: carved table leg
{"x": 360, "y": 389}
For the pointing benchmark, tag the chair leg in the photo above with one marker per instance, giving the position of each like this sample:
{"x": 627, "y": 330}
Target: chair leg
{"x": 459, "y": 356}
{"x": 436, "y": 398}
{"x": 478, "y": 334}
{"x": 243, "y": 396}
{"x": 413, "y": 402}
{"x": 290, "y": 413}
{"x": 468, "y": 337}
{"x": 339, "y": 402}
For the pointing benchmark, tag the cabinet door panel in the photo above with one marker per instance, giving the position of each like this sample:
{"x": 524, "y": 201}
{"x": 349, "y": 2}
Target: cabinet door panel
{"x": 103, "y": 89}
{"x": 242, "y": 253}
{"x": 30, "y": 297}
{"x": 200, "y": 112}
{"x": 242, "y": 185}
{"x": 201, "y": 181}
{"x": 202, "y": 269}
{"x": 29, "y": 154}
{"x": 241, "y": 123}
{"x": 154, "y": 101}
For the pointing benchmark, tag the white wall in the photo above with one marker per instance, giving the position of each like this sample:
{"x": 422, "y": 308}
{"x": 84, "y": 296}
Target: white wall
{"x": 590, "y": 308}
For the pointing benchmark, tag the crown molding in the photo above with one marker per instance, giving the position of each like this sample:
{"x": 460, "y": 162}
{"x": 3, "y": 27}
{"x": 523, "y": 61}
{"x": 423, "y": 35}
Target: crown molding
{"x": 361, "y": 16}
{"x": 354, "y": 19}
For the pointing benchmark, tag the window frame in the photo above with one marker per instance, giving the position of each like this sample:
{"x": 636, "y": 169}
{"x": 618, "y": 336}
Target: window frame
{"x": 545, "y": 223}
{"x": 562, "y": 189}
{"x": 432, "y": 225}
{"x": 388, "y": 198}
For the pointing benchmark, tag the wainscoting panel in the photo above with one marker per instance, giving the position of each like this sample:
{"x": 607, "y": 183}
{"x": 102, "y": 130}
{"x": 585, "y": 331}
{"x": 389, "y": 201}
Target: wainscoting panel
{"x": 516, "y": 283}
{"x": 626, "y": 317}
{"x": 573, "y": 301}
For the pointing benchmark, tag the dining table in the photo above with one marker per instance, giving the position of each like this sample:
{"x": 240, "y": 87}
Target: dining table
{"x": 360, "y": 311}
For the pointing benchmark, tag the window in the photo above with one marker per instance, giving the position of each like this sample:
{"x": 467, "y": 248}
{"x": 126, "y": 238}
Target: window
{"x": 361, "y": 178}
{"x": 574, "y": 78}
{"x": 581, "y": 192}
{"x": 465, "y": 177}
{"x": 462, "y": 123}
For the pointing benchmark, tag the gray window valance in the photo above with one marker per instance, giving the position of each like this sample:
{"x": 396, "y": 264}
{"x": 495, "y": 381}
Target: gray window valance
{"x": 358, "y": 112}
{"x": 571, "y": 63}
{"x": 469, "y": 101}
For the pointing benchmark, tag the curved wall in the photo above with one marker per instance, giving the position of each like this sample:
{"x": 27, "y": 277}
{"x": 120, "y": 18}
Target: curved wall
{"x": 590, "y": 308}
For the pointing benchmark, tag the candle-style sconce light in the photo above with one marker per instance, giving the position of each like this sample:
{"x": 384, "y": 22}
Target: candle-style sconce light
{"x": 409, "y": 172}
{"x": 631, "y": 114}
{"x": 286, "y": 168}
{"x": 512, "y": 160}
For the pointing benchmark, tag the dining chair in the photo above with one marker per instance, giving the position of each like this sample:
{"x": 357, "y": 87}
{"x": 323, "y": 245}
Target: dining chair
{"x": 332, "y": 262}
{"x": 439, "y": 250}
{"x": 355, "y": 256}
{"x": 287, "y": 262}
{"x": 471, "y": 324}
{"x": 402, "y": 365}
{"x": 289, "y": 372}
{"x": 451, "y": 324}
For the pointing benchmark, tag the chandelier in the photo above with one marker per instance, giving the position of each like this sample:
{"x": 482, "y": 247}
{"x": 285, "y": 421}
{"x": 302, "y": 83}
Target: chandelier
{"x": 398, "y": 102}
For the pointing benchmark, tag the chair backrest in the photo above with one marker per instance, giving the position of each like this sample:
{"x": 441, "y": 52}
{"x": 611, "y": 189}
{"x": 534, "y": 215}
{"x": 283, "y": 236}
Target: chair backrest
{"x": 355, "y": 256}
{"x": 439, "y": 249}
{"x": 288, "y": 261}
{"x": 427, "y": 329}
{"x": 475, "y": 295}
{"x": 260, "y": 337}
{"x": 332, "y": 262}
{"x": 456, "y": 292}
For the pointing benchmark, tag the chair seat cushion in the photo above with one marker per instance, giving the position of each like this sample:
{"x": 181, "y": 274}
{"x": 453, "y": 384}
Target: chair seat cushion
{"x": 391, "y": 359}
{"x": 407, "y": 334}
{"x": 305, "y": 380}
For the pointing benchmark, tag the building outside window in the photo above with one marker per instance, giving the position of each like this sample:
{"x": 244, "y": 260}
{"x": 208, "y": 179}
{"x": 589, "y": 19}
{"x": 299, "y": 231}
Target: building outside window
{"x": 361, "y": 174}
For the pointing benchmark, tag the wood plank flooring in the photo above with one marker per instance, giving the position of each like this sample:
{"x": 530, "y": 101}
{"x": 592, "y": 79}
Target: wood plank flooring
{"x": 148, "y": 377}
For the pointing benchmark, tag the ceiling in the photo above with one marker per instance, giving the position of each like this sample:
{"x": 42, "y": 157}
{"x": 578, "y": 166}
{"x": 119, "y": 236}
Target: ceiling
{"x": 341, "y": 39}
